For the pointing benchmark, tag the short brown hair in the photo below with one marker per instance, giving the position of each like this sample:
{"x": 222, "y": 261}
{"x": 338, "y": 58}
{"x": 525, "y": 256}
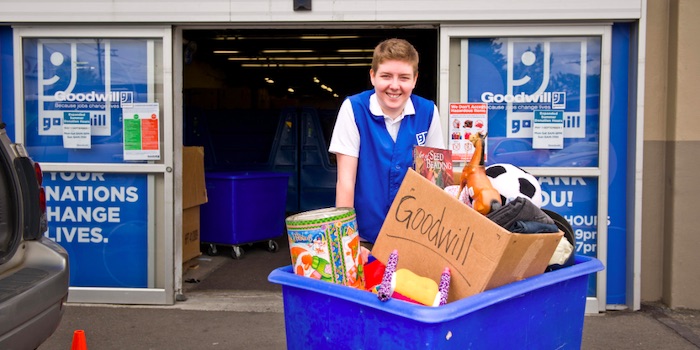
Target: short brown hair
{"x": 395, "y": 49}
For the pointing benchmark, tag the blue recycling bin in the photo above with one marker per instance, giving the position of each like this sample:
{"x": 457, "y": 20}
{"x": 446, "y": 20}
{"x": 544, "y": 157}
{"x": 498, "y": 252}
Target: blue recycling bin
{"x": 242, "y": 208}
{"x": 541, "y": 312}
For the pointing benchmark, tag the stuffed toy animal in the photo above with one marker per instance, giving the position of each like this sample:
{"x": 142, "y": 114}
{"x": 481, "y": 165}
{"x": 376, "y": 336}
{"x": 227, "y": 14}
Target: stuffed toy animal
{"x": 483, "y": 196}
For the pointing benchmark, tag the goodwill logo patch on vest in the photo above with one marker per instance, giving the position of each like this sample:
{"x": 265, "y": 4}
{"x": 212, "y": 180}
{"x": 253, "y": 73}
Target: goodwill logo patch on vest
{"x": 420, "y": 138}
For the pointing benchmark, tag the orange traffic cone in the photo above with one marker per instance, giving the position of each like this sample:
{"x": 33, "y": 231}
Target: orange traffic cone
{"x": 79, "y": 340}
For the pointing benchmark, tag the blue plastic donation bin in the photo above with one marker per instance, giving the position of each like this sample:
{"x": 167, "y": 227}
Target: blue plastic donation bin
{"x": 242, "y": 208}
{"x": 541, "y": 312}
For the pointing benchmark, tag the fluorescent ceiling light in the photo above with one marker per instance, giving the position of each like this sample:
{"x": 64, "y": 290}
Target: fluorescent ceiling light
{"x": 227, "y": 51}
{"x": 300, "y": 58}
{"x": 296, "y": 37}
{"x": 326, "y": 37}
{"x": 346, "y": 58}
{"x": 354, "y": 50}
{"x": 228, "y": 37}
{"x": 287, "y": 51}
{"x": 302, "y": 65}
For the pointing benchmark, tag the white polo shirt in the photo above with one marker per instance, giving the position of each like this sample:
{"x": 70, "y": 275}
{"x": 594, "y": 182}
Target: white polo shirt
{"x": 346, "y": 136}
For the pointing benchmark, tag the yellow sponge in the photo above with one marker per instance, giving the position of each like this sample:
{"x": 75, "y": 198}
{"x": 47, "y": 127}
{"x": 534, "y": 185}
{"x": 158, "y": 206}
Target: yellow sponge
{"x": 421, "y": 289}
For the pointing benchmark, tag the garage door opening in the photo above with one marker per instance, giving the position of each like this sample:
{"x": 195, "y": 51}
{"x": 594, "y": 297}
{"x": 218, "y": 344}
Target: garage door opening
{"x": 266, "y": 100}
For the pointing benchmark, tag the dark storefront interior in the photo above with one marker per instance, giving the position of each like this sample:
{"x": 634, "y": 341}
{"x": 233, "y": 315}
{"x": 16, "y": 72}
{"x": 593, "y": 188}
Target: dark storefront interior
{"x": 266, "y": 100}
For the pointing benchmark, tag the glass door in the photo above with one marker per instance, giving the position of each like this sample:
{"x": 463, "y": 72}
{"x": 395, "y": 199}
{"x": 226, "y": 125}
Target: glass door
{"x": 94, "y": 108}
{"x": 542, "y": 96}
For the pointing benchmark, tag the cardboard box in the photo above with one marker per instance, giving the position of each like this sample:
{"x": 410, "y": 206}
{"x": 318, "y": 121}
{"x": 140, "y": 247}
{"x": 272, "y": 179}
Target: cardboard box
{"x": 194, "y": 194}
{"x": 432, "y": 230}
{"x": 190, "y": 233}
{"x": 194, "y": 189}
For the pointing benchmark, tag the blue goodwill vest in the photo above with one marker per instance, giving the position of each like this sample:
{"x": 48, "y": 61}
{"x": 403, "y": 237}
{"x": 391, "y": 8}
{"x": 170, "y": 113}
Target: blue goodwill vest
{"x": 382, "y": 163}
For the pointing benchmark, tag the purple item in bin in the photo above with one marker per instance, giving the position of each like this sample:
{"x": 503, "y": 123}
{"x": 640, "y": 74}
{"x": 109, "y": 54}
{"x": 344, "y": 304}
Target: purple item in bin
{"x": 545, "y": 311}
{"x": 384, "y": 292}
{"x": 324, "y": 244}
{"x": 444, "y": 287}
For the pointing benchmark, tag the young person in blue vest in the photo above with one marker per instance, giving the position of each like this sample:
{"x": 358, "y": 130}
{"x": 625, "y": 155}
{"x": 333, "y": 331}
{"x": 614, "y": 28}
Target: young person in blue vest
{"x": 375, "y": 133}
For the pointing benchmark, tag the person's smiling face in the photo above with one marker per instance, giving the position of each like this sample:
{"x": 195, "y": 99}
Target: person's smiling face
{"x": 393, "y": 83}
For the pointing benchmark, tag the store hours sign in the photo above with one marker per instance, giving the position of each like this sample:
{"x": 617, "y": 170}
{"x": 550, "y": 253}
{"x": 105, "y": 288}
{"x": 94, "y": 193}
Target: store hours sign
{"x": 576, "y": 199}
{"x": 101, "y": 220}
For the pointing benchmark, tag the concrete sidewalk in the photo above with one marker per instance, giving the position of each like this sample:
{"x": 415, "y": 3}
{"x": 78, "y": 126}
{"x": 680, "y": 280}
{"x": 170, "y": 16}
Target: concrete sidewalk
{"x": 225, "y": 319}
{"x": 228, "y": 320}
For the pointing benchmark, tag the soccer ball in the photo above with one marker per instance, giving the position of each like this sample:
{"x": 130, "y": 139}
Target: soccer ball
{"x": 512, "y": 182}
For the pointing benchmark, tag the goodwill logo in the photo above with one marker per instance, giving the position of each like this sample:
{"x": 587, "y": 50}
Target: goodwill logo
{"x": 421, "y": 138}
{"x": 67, "y": 82}
{"x": 537, "y": 74}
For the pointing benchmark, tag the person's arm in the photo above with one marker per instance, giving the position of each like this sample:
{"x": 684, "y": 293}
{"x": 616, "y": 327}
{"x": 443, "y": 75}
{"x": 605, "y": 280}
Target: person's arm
{"x": 345, "y": 144}
{"x": 347, "y": 174}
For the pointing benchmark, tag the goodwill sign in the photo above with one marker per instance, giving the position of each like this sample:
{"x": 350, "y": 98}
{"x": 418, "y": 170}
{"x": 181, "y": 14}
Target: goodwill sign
{"x": 92, "y": 78}
{"x": 101, "y": 220}
{"x": 532, "y": 75}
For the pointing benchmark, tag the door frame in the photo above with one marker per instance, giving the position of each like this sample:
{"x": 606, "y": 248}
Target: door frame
{"x": 161, "y": 234}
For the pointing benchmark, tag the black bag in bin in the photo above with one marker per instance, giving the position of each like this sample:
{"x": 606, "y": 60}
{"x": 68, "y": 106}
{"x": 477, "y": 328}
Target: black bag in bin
{"x": 565, "y": 227}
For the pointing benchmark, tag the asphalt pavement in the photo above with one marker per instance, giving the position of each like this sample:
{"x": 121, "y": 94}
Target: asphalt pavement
{"x": 253, "y": 319}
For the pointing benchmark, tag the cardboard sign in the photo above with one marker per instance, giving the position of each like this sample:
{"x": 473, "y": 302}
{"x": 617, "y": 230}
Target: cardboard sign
{"x": 432, "y": 230}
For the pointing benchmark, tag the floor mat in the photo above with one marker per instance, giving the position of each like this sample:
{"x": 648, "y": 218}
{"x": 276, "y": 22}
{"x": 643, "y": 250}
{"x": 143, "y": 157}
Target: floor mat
{"x": 250, "y": 271}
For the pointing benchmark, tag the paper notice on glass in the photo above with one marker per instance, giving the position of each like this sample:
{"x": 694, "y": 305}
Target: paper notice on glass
{"x": 466, "y": 119}
{"x": 141, "y": 132}
{"x": 77, "y": 130}
{"x": 548, "y": 130}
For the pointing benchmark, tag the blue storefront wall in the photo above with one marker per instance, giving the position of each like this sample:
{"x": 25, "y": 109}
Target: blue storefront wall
{"x": 581, "y": 218}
